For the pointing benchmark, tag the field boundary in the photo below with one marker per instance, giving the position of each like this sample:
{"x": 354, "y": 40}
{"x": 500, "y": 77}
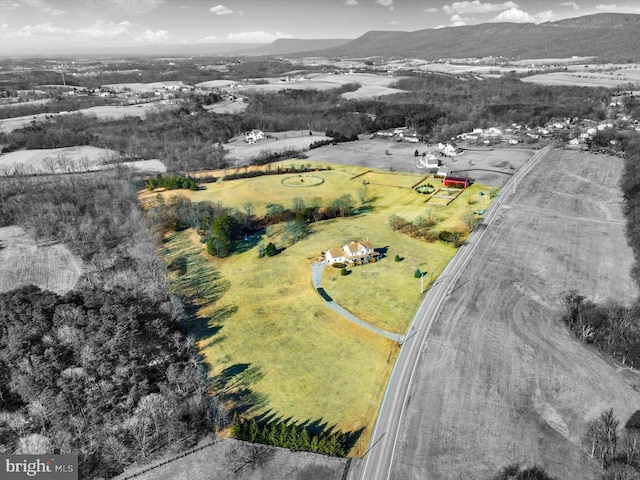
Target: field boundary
{"x": 124, "y": 476}
{"x": 166, "y": 461}
{"x": 360, "y": 174}
{"x": 451, "y": 198}
{"x": 423, "y": 179}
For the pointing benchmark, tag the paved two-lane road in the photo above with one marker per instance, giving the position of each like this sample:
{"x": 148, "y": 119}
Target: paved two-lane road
{"x": 378, "y": 462}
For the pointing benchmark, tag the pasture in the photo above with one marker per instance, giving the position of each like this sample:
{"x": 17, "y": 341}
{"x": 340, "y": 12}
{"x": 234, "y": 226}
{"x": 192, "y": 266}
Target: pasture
{"x": 262, "y": 316}
{"x": 501, "y": 380}
{"x": 24, "y": 262}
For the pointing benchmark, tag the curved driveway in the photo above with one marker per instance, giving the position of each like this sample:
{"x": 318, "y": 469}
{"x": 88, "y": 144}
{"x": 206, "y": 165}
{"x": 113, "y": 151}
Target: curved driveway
{"x": 316, "y": 278}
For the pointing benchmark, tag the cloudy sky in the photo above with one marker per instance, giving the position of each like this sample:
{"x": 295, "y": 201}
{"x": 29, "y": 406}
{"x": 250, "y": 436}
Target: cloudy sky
{"x": 31, "y": 26}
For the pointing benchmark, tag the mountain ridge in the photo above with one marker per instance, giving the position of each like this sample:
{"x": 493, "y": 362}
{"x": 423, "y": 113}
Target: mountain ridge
{"x": 611, "y": 36}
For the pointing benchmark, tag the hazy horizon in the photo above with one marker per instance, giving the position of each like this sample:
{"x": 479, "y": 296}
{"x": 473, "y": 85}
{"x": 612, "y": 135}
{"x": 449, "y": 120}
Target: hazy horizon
{"x": 67, "y": 26}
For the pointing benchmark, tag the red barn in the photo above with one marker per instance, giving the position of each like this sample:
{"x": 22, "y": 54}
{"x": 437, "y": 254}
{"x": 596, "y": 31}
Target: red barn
{"x": 456, "y": 182}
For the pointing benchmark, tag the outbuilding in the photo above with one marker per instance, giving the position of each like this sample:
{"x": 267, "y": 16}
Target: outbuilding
{"x": 456, "y": 182}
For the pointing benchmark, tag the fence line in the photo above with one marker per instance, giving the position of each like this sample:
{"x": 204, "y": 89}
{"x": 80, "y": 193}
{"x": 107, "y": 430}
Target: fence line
{"x": 168, "y": 460}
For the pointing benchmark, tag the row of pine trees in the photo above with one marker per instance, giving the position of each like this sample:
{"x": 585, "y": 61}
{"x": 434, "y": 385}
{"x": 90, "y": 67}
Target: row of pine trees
{"x": 289, "y": 435}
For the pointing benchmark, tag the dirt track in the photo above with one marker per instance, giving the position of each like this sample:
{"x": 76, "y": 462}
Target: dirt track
{"x": 501, "y": 380}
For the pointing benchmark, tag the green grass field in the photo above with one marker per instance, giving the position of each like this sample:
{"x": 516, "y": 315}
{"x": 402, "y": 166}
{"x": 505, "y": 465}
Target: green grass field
{"x": 261, "y": 317}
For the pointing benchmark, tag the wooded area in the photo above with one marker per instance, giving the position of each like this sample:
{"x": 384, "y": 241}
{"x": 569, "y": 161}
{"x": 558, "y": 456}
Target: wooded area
{"x": 437, "y": 106}
{"x": 103, "y": 371}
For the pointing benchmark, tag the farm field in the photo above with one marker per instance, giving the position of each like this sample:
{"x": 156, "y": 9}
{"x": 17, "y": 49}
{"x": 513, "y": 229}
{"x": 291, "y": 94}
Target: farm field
{"x": 225, "y": 459}
{"x": 242, "y": 152}
{"x": 501, "y": 380}
{"x": 56, "y": 160}
{"x": 489, "y": 166}
{"x": 227, "y": 107}
{"x": 101, "y": 112}
{"x": 264, "y": 313}
{"x": 371, "y": 85}
{"x": 70, "y": 160}
{"x": 606, "y": 79}
{"x": 143, "y": 87}
{"x": 371, "y": 91}
{"x": 24, "y": 262}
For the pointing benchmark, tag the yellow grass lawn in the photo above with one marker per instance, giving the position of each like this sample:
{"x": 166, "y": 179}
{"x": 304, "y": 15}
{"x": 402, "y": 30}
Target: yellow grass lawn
{"x": 264, "y": 316}
{"x": 308, "y": 363}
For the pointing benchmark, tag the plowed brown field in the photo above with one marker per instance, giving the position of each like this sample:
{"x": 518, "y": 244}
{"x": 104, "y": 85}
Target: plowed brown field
{"x": 501, "y": 380}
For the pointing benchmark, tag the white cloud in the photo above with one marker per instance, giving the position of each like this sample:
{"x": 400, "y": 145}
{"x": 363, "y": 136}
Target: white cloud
{"x": 431, "y": 10}
{"x": 256, "y": 37}
{"x": 107, "y": 30}
{"x": 544, "y": 16}
{"x": 395, "y": 22}
{"x": 477, "y": 7}
{"x": 573, "y": 5}
{"x": 41, "y": 29}
{"x": 150, "y": 36}
{"x": 351, "y": 2}
{"x": 100, "y": 31}
{"x": 457, "y": 21}
{"x": 617, "y": 9}
{"x": 221, "y": 10}
{"x": 514, "y": 15}
{"x": 385, "y": 3}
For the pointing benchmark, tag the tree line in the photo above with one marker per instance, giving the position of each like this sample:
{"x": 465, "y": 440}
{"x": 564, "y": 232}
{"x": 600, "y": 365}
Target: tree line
{"x": 171, "y": 182}
{"x": 290, "y": 435}
{"x": 618, "y": 453}
{"x": 437, "y": 106}
{"x": 222, "y": 229}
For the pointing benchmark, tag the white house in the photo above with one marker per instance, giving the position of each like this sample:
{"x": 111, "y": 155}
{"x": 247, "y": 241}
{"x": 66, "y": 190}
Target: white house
{"x": 448, "y": 149}
{"x": 351, "y": 253}
{"x": 428, "y": 161}
{"x": 253, "y": 136}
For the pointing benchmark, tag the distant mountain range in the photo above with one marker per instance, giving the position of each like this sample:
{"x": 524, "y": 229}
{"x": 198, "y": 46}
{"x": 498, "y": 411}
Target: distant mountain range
{"x": 608, "y": 36}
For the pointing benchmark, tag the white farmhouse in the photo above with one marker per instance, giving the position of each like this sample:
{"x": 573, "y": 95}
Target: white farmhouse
{"x": 351, "y": 253}
{"x": 253, "y": 136}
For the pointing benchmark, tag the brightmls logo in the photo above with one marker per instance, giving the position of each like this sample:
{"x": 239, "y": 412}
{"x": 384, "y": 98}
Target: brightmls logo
{"x": 46, "y": 467}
